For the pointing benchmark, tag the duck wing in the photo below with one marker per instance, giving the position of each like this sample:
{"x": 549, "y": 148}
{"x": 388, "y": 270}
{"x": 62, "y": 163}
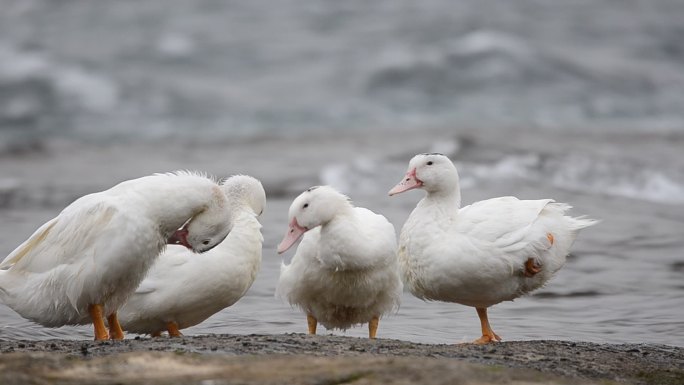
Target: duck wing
{"x": 508, "y": 223}
{"x": 29, "y": 245}
{"x": 65, "y": 239}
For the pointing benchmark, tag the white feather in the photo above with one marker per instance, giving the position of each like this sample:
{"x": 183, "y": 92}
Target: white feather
{"x": 187, "y": 288}
{"x": 476, "y": 255}
{"x": 344, "y": 271}
{"x": 98, "y": 249}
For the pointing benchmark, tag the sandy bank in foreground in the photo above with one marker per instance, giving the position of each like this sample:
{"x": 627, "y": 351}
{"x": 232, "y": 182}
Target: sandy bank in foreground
{"x": 296, "y": 358}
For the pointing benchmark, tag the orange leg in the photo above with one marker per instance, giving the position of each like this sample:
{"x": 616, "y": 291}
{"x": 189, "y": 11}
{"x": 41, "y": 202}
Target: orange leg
{"x": 173, "y": 330}
{"x": 312, "y": 323}
{"x": 373, "y": 327}
{"x": 488, "y": 334}
{"x": 156, "y": 334}
{"x": 97, "y": 315}
{"x": 115, "y": 331}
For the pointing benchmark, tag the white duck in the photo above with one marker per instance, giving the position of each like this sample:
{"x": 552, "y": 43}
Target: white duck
{"x": 479, "y": 255}
{"x": 82, "y": 265}
{"x": 345, "y": 269}
{"x": 182, "y": 289}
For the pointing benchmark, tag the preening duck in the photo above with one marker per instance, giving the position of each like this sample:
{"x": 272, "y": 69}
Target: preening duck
{"x": 345, "y": 269}
{"x": 183, "y": 289}
{"x": 81, "y": 266}
{"x": 479, "y": 255}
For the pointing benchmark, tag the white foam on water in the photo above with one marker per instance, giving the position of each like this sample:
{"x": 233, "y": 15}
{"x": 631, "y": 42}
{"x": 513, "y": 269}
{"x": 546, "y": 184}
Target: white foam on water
{"x": 176, "y": 45}
{"x": 93, "y": 92}
{"x": 90, "y": 91}
{"x": 363, "y": 175}
{"x": 484, "y": 41}
{"x": 448, "y": 147}
{"x": 17, "y": 65}
{"x": 614, "y": 177}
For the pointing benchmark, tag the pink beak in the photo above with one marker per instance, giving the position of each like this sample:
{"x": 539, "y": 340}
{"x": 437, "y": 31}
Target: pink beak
{"x": 409, "y": 182}
{"x": 294, "y": 232}
{"x": 179, "y": 237}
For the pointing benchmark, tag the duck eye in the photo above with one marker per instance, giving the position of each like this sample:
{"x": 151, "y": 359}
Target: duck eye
{"x": 205, "y": 242}
{"x": 429, "y": 163}
{"x": 305, "y": 205}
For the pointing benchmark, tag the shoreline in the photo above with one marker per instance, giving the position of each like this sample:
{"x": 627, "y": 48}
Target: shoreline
{"x": 287, "y": 358}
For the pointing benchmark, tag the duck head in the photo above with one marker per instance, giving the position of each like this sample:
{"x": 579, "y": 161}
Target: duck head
{"x": 208, "y": 228}
{"x": 245, "y": 191}
{"x": 433, "y": 173}
{"x": 312, "y": 208}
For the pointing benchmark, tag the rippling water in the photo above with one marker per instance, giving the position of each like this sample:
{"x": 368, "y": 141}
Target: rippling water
{"x": 572, "y": 100}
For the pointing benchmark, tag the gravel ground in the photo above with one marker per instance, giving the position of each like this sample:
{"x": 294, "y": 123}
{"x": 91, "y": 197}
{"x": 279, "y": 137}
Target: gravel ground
{"x": 297, "y": 358}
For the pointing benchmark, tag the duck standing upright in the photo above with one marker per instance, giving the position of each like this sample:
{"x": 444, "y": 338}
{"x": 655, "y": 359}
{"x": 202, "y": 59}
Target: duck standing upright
{"x": 81, "y": 266}
{"x": 490, "y": 251}
{"x": 345, "y": 269}
{"x": 181, "y": 290}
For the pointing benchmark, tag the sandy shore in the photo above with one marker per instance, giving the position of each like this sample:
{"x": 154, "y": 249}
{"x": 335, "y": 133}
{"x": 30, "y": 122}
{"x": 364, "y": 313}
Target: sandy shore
{"x": 297, "y": 358}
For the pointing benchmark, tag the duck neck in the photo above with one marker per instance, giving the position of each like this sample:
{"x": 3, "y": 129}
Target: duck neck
{"x": 343, "y": 245}
{"x": 246, "y": 228}
{"x": 176, "y": 198}
{"x": 446, "y": 200}
{"x": 339, "y": 224}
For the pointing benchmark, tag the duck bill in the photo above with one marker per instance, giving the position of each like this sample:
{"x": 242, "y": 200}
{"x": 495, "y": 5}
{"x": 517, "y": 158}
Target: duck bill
{"x": 409, "y": 182}
{"x": 179, "y": 237}
{"x": 294, "y": 232}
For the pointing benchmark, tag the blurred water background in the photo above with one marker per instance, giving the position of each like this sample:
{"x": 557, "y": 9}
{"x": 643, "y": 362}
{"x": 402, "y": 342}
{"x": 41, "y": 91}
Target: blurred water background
{"x": 581, "y": 101}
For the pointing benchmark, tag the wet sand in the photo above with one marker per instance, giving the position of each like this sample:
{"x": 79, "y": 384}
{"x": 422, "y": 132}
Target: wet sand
{"x": 298, "y": 358}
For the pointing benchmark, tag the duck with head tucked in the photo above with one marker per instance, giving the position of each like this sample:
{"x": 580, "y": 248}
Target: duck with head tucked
{"x": 182, "y": 289}
{"x": 81, "y": 266}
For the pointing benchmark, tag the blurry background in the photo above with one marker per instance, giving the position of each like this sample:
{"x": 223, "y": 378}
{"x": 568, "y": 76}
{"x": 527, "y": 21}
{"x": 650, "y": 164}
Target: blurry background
{"x": 581, "y": 101}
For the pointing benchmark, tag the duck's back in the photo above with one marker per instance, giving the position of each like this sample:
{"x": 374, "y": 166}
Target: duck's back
{"x": 477, "y": 257}
{"x": 498, "y": 219}
{"x": 92, "y": 246}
